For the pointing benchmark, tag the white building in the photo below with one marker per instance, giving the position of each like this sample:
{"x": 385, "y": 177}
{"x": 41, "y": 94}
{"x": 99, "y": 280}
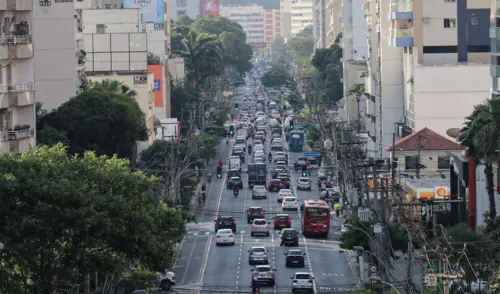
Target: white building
{"x": 286, "y": 18}
{"x": 251, "y": 19}
{"x": 17, "y": 77}
{"x": 334, "y": 27}
{"x": 302, "y": 15}
{"x": 190, "y": 8}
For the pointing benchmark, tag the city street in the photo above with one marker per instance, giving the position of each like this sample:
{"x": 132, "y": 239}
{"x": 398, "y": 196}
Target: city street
{"x": 206, "y": 267}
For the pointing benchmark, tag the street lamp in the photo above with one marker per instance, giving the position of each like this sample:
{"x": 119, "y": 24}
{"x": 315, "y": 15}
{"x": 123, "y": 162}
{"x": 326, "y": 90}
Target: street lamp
{"x": 378, "y": 279}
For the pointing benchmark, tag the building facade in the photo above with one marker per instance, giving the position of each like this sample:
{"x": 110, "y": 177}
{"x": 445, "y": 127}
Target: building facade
{"x": 17, "y": 77}
{"x": 334, "y": 28}
{"x": 190, "y": 8}
{"x": 272, "y": 25}
{"x": 251, "y": 18}
{"x": 302, "y": 15}
{"x": 286, "y": 18}
{"x": 495, "y": 47}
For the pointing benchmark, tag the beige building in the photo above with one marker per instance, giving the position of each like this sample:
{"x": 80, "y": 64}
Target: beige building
{"x": 176, "y": 69}
{"x": 251, "y": 19}
{"x": 286, "y": 18}
{"x": 302, "y": 15}
{"x": 17, "y": 77}
{"x": 334, "y": 28}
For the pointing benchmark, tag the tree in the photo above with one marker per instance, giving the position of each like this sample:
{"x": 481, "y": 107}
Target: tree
{"x": 69, "y": 216}
{"x": 178, "y": 33}
{"x": 302, "y": 45}
{"x": 104, "y": 118}
{"x": 114, "y": 86}
{"x": 276, "y": 77}
{"x": 357, "y": 90}
{"x": 153, "y": 59}
{"x": 184, "y": 20}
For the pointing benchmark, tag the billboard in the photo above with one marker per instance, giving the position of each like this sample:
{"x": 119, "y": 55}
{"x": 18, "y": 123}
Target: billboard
{"x": 151, "y": 10}
{"x": 157, "y": 71}
{"x": 209, "y": 7}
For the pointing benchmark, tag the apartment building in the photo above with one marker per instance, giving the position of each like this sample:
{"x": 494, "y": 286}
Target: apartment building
{"x": 446, "y": 57}
{"x": 286, "y": 18}
{"x": 354, "y": 57}
{"x": 272, "y": 25}
{"x": 302, "y": 15}
{"x": 116, "y": 48}
{"x": 334, "y": 18}
{"x": 495, "y": 47}
{"x": 251, "y": 18}
{"x": 17, "y": 77}
{"x": 190, "y": 8}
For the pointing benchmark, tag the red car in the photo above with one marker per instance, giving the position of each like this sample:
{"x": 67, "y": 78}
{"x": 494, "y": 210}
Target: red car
{"x": 282, "y": 221}
{"x": 275, "y": 184}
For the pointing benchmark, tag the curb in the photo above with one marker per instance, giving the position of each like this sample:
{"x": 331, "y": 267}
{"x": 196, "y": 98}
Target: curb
{"x": 349, "y": 255}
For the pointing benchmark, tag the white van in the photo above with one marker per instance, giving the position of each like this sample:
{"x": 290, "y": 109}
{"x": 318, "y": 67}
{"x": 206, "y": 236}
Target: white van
{"x": 235, "y": 163}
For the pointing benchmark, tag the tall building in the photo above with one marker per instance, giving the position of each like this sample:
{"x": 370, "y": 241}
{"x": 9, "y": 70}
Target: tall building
{"x": 495, "y": 47}
{"x": 302, "y": 15}
{"x": 17, "y": 76}
{"x": 286, "y": 18}
{"x": 334, "y": 26}
{"x": 272, "y": 25}
{"x": 190, "y": 8}
{"x": 321, "y": 23}
{"x": 251, "y": 18}
{"x": 425, "y": 57}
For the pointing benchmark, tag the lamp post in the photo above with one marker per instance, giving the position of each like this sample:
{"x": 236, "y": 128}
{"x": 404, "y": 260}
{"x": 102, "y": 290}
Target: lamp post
{"x": 378, "y": 279}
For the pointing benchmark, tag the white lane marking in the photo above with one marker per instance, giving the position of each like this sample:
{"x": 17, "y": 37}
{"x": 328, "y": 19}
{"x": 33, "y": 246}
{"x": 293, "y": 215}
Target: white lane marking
{"x": 239, "y": 262}
{"x": 195, "y": 233}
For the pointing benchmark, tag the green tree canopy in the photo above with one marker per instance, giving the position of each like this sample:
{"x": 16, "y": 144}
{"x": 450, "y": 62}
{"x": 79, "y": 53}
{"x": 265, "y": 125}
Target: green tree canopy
{"x": 302, "y": 45}
{"x": 276, "y": 77}
{"x": 104, "y": 118}
{"x": 69, "y": 216}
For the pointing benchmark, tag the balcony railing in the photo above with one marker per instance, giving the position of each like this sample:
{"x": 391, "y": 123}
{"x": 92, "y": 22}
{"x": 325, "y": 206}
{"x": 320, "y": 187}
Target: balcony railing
{"x": 402, "y": 6}
{"x": 17, "y": 88}
{"x": 15, "y": 40}
{"x": 17, "y": 135}
{"x": 402, "y": 33}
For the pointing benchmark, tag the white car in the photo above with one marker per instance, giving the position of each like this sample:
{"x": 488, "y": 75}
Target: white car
{"x": 259, "y": 226}
{"x": 284, "y": 193}
{"x": 302, "y": 281}
{"x": 321, "y": 173}
{"x": 224, "y": 236}
{"x": 290, "y": 203}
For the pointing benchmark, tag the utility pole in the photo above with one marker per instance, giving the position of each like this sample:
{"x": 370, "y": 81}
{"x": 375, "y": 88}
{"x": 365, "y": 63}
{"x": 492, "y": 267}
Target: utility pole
{"x": 393, "y": 166}
{"x": 375, "y": 191}
{"x": 419, "y": 146}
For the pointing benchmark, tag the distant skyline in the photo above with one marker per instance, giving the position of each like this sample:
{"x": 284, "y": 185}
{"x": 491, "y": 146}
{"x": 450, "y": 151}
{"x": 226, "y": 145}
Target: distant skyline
{"x": 267, "y": 4}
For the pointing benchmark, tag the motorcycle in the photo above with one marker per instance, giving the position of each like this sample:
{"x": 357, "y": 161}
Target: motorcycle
{"x": 236, "y": 192}
{"x": 270, "y": 159}
{"x": 319, "y": 184}
{"x": 227, "y": 142}
{"x": 210, "y": 178}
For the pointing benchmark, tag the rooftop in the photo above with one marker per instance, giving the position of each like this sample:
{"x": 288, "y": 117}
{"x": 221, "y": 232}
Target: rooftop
{"x": 429, "y": 140}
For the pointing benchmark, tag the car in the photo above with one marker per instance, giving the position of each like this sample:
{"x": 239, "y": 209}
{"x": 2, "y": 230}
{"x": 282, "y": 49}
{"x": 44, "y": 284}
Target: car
{"x": 239, "y": 152}
{"x": 257, "y": 143}
{"x": 290, "y": 203}
{"x": 281, "y": 153}
{"x": 289, "y": 237}
{"x": 284, "y": 193}
{"x": 279, "y": 157}
{"x": 233, "y": 173}
{"x": 278, "y": 170}
{"x": 259, "y": 226}
{"x": 345, "y": 228}
{"x": 302, "y": 281}
{"x": 255, "y": 212}
{"x": 234, "y": 182}
{"x": 300, "y": 162}
{"x": 224, "y": 236}
{"x": 281, "y": 163}
{"x": 225, "y": 222}
{"x": 313, "y": 162}
{"x": 258, "y": 254}
{"x": 259, "y": 154}
{"x": 258, "y": 160}
{"x": 275, "y": 135}
{"x": 285, "y": 179}
{"x": 282, "y": 221}
{"x": 304, "y": 183}
{"x": 295, "y": 257}
{"x": 321, "y": 173}
{"x": 275, "y": 185}
{"x": 259, "y": 191}
{"x": 276, "y": 139}
{"x": 264, "y": 274}
{"x": 277, "y": 146}
{"x": 333, "y": 194}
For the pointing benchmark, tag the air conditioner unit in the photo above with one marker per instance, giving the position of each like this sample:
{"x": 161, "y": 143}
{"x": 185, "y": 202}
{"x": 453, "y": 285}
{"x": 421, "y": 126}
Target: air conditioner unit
{"x": 426, "y": 20}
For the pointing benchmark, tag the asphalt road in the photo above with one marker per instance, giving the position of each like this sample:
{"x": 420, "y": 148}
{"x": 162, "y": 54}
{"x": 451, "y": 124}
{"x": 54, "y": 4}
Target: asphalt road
{"x": 205, "y": 268}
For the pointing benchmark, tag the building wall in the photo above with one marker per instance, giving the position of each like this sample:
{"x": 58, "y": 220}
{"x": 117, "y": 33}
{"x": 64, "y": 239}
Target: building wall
{"x": 114, "y": 20}
{"x": 251, "y": 18}
{"x": 190, "y": 8}
{"x": 176, "y": 69}
{"x": 428, "y": 158}
{"x": 272, "y": 24}
{"x": 354, "y": 71}
{"x": 286, "y": 18}
{"x": 54, "y": 53}
{"x": 445, "y": 95}
{"x": 302, "y": 15}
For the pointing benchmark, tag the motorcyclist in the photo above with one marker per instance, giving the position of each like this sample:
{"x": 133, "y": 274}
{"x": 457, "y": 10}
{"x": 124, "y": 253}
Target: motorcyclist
{"x": 203, "y": 197}
{"x": 227, "y": 141}
{"x": 203, "y": 187}
{"x": 270, "y": 156}
{"x": 319, "y": 184}
{"x": 255, "y": 286}
{"x": 249, "y": 149}
{"x": 220, "y": 162}
{"x": 236, "y": 190}
{"x": 209, "y": 176}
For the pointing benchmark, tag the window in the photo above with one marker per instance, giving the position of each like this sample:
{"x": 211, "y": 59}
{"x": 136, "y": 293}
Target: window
{"x": 410, "y": 162}
{"x": 440, "y": 49}
{"x": 474, "y": 21}
{"x": 181, "y": 12}
{"x": 181, "y": 3}
{"x": 100, "y": 29}
{"x": 107, "y": 6}
{"x": 449, "y": 22}
{"x": 443, "y": 162}
{"x": 449, "y": 0}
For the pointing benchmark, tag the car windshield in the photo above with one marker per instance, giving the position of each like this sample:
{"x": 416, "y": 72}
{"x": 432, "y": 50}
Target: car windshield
{"x": 263, "y": 269}
{"x": 226, "y": 218}
{"x": 260, "y": 222}
{"x": 295, "y": 252}
{"x": 289, "y": 232}
{"x": 225, "y": 232}
{"x": 282, "y": 217}
{"x": 289, "y": 198}
{"x": 275, "y": 182}
{"x": 259, "y": 188}
{"x": 255, "y": 209}
{"x": 258, "y": 250}
{"x": 285, "y": 191}
{"x": 235, "y": 179}
{"x": 304, "y": 180}
{"x": 302, "y": 276}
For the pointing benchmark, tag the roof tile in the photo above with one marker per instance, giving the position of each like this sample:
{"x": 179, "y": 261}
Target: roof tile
{"x": 430, "y": 140}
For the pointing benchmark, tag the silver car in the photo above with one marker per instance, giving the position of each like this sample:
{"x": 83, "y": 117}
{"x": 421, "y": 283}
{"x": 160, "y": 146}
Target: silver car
{"x": 259, "y": 191}
{"x": 258, "y": 254}
{"x": 264, "y": 274}
{"x": 302, "y": 281}
{"x": 260, "y": 226}
{"x": 304, "y": 184}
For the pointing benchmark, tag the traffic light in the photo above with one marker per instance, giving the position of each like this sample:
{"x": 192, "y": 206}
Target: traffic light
{"x": 219, "y": 172}
{"x": 284, "y": 107}
{"x": 291, "y": 124}
{"x": 231, "y": 130}
{"x": 304, "y": 170}
{"x": 236, "y": 106}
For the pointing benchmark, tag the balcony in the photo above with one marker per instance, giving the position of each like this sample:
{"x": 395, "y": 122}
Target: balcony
{"x": 401, "y": 9}
{"x": 14, "y": 95}
{"x": 18, "y": 140}
{"x": 16, "y": 5}
{"x": 401, "y": 38}
{"x": 16, "y": 47}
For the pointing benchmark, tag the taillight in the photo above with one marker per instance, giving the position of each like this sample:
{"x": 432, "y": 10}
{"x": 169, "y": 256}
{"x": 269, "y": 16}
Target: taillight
{"x": 270, "y": 273}
{"x": 289, "y": 257}
{"x": 234, "y": 222}
{"x": 289, "y": 220}
{"x": 218, "y": 237}
{"x": 261, "y": 213}
{"x": 284, "y": 202}
{"x": 249, "y": 213}
{"x": 231, "y": 236}
{"x": 310, "y": 281}
{"x": 253, "y": 226}
{"x": 295, "y": 281}
{"x": 220, "y": 223}
{"x": 267, "y": 226}
{"x": 254, "y": 273}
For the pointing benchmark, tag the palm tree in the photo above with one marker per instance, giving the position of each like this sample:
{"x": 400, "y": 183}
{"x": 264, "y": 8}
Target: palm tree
{"x": 112, "y": 85}
{"x": 358, "y": 90}
{"x": 202, "y": 55}
{"x": 480, "y": 135}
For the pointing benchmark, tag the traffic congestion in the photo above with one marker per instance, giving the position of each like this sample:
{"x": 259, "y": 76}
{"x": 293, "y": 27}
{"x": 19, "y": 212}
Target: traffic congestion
{"x": 272, "y": 229}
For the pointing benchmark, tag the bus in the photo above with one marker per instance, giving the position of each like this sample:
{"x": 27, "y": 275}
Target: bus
{"x": 315, "y": 218}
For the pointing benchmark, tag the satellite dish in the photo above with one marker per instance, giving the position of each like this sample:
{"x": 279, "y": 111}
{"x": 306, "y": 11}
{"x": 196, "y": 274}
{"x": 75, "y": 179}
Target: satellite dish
{"x": 453, "y": 132}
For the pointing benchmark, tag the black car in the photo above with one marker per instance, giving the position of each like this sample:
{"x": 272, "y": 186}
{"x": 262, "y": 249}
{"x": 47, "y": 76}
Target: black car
{"x": 289, "y": 237}
{"x": 233, "y": 173}
{"x": 233, "y": 182}
{"x": 295, "y": 257}
{"x": 255, "y": 212}
{"x": 225, "y": 222}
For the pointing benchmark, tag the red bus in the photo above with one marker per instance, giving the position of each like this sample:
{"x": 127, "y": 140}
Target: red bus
{"x": 316, "y": 218}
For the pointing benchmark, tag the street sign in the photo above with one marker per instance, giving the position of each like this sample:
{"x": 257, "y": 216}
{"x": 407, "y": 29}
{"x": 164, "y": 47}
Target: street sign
{"x": 431, "y": 280}
{"x": 373, "y": 268}
{"x": 311, "y": 154}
